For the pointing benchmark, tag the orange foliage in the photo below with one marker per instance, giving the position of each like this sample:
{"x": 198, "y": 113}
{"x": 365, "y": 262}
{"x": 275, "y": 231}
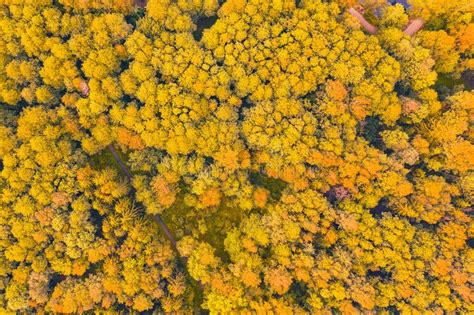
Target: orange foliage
{"x": 211, "y": 197}
{"x": 130, "y": 139}
{"x": 165, "y": 193}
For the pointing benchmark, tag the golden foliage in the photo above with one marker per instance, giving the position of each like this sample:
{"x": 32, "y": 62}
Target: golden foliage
{"x": 303, "y": 165}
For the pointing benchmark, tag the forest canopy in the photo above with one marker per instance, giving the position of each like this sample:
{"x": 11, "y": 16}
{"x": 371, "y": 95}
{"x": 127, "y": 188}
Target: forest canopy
{"x": 237, "y": 156}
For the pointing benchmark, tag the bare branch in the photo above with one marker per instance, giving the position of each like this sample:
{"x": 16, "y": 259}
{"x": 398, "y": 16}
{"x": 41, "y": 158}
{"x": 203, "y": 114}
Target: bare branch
{"x": 414, "y": 27}
{"x": 369, "y": 27}
{"x": 84, "y": 88}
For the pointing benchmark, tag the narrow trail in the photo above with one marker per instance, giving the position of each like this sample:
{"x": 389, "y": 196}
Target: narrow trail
{"x": 156, "y": 217}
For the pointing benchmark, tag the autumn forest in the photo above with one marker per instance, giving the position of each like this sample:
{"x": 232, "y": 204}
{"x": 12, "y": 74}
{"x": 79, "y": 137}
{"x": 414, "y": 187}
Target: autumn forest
{"x": 236, "y": 157}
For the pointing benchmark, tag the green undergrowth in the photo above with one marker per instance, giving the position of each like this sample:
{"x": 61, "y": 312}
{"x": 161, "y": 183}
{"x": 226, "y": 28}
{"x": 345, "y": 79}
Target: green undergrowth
{"x": 211, "y": 225}
{"x": 105, "y": 159}
{"x": 274, "y": 186}
{"x": 207, "y": 225}
{"x": 446, "y": 81}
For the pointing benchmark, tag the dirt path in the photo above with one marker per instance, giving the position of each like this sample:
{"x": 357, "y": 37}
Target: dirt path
{"x": 198, "y": 287}
{"x": 156, "y": 217}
